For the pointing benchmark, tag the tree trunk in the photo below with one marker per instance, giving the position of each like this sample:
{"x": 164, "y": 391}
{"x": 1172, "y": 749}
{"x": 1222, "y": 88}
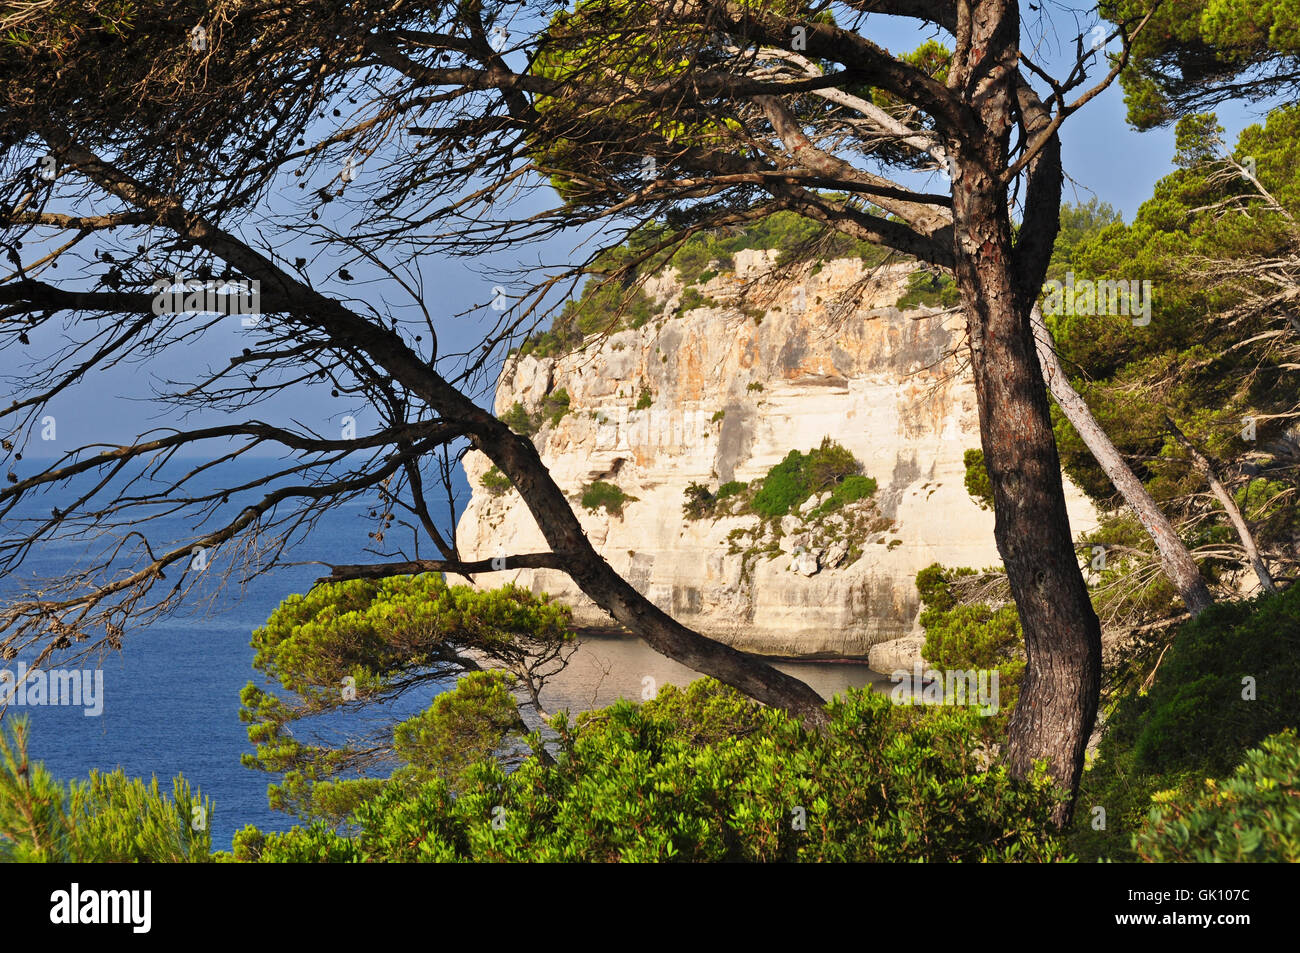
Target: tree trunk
{"x": 1225, "y": 499}
{"x": 1176, "y": 561}
{"x": 1062, "y": 680}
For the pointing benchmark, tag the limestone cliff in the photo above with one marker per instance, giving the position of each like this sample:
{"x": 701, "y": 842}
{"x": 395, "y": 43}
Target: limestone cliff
{"x": 732, "y": 388}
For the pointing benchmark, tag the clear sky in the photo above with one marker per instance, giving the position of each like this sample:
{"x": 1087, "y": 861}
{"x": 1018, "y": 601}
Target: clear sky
{"x": 1103, "y": 156}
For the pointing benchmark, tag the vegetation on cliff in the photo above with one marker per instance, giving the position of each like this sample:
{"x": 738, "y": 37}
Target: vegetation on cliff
{"x": 606, "y": 305}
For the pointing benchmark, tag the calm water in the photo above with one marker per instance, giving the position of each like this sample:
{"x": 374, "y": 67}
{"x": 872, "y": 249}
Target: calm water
{"x": 171, "y": 697}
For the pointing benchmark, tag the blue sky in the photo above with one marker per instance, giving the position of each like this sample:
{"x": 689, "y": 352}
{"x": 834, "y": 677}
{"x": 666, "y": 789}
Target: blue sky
{"x": 1103, "y": 156}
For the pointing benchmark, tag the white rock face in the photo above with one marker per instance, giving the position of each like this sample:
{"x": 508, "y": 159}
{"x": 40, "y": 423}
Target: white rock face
{"x": 731, "y": 397}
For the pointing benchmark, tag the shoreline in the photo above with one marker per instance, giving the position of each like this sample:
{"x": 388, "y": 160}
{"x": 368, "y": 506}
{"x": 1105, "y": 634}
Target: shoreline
{"x": 618, "y": 632}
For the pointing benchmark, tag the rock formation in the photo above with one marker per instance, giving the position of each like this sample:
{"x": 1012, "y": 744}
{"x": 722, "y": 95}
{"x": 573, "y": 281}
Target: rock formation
{"x": 771, "y": 363}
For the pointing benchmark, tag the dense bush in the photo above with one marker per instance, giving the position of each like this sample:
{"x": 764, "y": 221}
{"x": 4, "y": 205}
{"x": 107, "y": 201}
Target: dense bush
{"x": 699, "y": 502}
{"x": 800, "y": 476}
{"x": 964, "y": 637}
{"x": 343, "y": 647}
{"x": 495, "y": 482}
{"x": 108, "y": 818}
{"x": 978, "y": 483}
{"x": 519, "y": 420}
{"x": 707, "y": 775}
{"x": 730, "y": 488}
{"x": 555, "y": 405}
{"x": 1254, "y": 815}
{"x": 603, "y": 307}
{"x": 785, "y": 485}
{"x": 1199, "y": 713}
{"x": 600, "y": 493}
{"x": 1198, "y": 719}
{"x": 853, "y": 488}
{"x": 929, "y": 290}
{"x": 692, "y": 299}
{"x": 552, "y": 409}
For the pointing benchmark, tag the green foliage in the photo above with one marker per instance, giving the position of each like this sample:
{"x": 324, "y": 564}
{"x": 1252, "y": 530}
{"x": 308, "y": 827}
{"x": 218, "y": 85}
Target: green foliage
{"x": 1211, "y": 358}
{"x": 829, "y": 465}
{"x": 519, "y": 420}
{"x": 1253, "y": 815}
{"x": 789, "y": 233}
{"x": 930, "y": 290}
{"x": 461, "y": 726}
{"x": 494, "y": 481}
{"x": 853, "y": 488}
{"x": 1079, "y": 223}
{"x": 978, "y": 483}
{"x": 609, "y": 495}
{"x": 707, "y": 775}
{"x": 644, "y": 401}
{"x": 800, "y": 476}
{"x": 614, "y": 299}
{"x": 1195, "y": 715}
{"x": 692, "y": 299}
{"x": 552, "y": 409}
{"x": 107, "y": 818}
{"x": 555, "y": 405}
{"x": 605, "y": 306}
{"x": 699, "y": 502}
{"x": 1194, "y": 722}
{"x": 730, "y": 488}
{"x": 363, "y": 642}
{"x": 785, "y": 485}
{"x": 717, "y": 415}
{"x": 1198, "y": 52}
{"x": 753, "y": 386}
{"x": 962, "y": 637}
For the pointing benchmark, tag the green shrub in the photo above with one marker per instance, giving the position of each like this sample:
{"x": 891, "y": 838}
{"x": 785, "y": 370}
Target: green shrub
{"x": 519, "y": 420}
{"x": 1254, "y": 815}
{"x": 1195, "y": 715}
{"x": 608, "y": 495}
{"x": 384, "y": 638}
{"x": 699, "y": 502}
{"x": 785, "y": 485}
{"x": 717, "y": 415}
{"x": 753, "y": 385}
{"x": 692, "y": 299}
{"x": 978, "y": 483}
{"x": 971, "y": 636}
{"x": 552, "y": 409}
{"x": 603, "y": 307}
{"x": 108, "y": 818}
{"x": 829, "y": 465}
{"x": 853, "y": 488}
{"x": 555, "y": 405}
{"x": 730, "y": 488}
{"x": 704, "y": 774}
{"x": 799, "y": 476}
{"x": 929, "y": 290}
{"x": 495, "y": 482}
{"x": 1194, "y": 722}
{"x": 644, "y": 401}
